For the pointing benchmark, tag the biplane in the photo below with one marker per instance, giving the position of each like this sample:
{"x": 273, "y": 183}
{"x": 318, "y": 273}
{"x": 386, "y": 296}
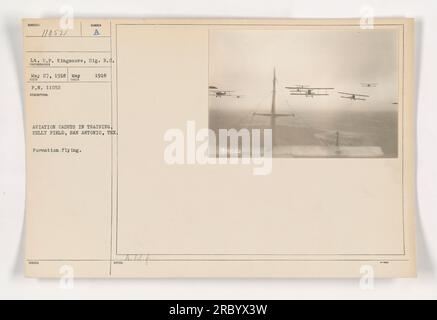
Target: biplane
{"x": 298, "y": 87}
{"x": 216, "y": 92}
{"x": 309, "y": 92}
{"x": 353, "y": 96}
{"x": 369, "y": 85}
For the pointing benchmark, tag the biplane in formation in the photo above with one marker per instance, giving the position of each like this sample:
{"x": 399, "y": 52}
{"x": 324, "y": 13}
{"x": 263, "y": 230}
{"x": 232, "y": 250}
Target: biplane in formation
{"x": 353, "y": 96}
{"x": 369, "y": 85}
{"x": 218, "y": 93}
{"x": 307, "y": 91}
{"x": 299, "y": 90}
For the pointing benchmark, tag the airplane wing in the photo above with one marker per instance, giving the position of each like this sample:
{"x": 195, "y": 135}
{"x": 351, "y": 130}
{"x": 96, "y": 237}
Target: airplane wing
{"x": 261, "y": 114}
{"x": 284, "y": 115}
{"x": 353, "y": 98}
{"x": 297, "y": 86}
{"x": 276, "y": 114}
{"x": 320, "y": 88}
{"x": 350, "y": 94}
{"x": 362, "y": 95}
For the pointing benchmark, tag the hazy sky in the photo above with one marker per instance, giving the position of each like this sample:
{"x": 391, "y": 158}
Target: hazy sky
{"x": 243, "y": 61}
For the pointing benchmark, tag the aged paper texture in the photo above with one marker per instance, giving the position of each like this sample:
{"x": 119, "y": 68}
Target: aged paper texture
{"x": 219, "y": 148}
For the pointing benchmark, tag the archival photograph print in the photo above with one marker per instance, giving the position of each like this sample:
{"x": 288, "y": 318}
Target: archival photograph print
{"x": 330, "y": 92}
